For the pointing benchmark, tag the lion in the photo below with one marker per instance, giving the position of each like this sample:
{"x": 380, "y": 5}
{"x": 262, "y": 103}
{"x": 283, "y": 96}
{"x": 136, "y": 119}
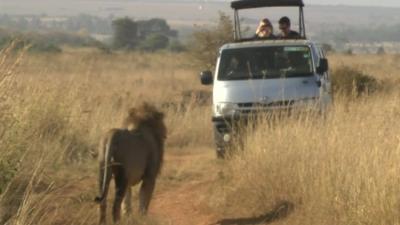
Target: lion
{"x": 131, "y": 155}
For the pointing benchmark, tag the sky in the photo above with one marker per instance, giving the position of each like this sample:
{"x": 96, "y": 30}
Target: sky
{"x": 389, "y": 3}
{"x": 384, "y": 3}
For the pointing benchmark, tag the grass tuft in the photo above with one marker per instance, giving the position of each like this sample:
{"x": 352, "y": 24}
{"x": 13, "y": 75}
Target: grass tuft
{"x": 350, "y": 81}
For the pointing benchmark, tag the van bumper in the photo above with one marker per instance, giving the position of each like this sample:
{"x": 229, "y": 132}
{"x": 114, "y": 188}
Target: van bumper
{"x": 230, "y": 124}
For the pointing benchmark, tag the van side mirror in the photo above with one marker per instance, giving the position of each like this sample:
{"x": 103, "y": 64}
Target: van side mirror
{"x": 323, "y": 66}
{"x": 206, "y": 77}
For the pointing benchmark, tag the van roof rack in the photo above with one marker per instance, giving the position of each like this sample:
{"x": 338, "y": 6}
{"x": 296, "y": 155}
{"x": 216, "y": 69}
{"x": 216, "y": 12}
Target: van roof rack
{"x": 251, "y": 4}
{"x": 248, "y": 4}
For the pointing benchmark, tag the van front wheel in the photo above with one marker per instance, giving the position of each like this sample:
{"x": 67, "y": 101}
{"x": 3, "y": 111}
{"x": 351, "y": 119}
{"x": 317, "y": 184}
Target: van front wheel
{"x": 220, "y": 152}
{"x": 220, "y": 144}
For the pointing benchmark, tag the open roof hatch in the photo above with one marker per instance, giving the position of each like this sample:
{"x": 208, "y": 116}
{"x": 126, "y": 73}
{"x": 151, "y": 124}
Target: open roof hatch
{"x": 250, "y": 4}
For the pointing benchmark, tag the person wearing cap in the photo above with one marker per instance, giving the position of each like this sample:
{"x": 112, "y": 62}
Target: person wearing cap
{"x": 286, "y": 32}
{"x": 265, "y": 30}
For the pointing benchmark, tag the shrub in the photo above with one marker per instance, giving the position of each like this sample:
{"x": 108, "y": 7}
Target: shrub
{"x": 176, "y": 46}
{"x": 349, "y": 51}
{"x": 328, "y": 48}
{"x": 154, "y": 42}
{"x": 32, "y": 45}
{"x": 381, "y": 50}
{"x": 350, "y": 81}
{"x": 206, "y": 42}
{"x": 45, "y": 47}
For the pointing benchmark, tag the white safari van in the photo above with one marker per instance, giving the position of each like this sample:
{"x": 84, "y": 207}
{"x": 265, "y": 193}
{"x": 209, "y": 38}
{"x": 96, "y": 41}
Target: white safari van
{"x": 272, "y": 74}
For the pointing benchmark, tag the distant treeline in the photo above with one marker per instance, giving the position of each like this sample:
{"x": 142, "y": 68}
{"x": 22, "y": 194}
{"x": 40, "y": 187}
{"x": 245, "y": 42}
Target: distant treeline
{"x": 123, "y": 33}
{"x": 87, "y": 23}
{"x": 150, "y": 35}
{"x": 361, "y": 34}
{"x": 81, "y": 23}
{"x": 47, "y": 41}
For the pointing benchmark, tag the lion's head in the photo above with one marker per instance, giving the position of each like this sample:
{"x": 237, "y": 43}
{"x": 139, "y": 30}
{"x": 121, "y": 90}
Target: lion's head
{"x": 146, "y": 115}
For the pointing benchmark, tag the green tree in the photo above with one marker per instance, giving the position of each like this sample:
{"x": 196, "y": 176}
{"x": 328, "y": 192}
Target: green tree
{"x": 125, "y": 33}
{"x": 206, "y": 42}
{"x": 153, "y": 26}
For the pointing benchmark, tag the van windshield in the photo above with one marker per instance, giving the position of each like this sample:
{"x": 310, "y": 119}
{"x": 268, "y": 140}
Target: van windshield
{"x": 265, "y": 63}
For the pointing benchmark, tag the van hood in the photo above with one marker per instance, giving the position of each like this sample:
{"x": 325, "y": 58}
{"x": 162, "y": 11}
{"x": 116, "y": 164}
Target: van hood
{"x": 266, "y": 90}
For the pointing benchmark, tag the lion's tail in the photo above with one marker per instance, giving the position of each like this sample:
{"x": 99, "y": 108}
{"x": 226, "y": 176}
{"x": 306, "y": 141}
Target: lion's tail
{"x": 105, "y": 172}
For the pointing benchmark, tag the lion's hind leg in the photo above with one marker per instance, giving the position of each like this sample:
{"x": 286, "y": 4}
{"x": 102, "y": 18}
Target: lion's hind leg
{"x": 104, "y": 182}
{"x": 127, "y": 204}
{"x": 121, "y": 187}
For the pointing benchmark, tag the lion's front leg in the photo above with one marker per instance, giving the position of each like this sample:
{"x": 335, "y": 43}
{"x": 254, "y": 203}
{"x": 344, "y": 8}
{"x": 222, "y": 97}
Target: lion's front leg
{"x": 146, "y": 192}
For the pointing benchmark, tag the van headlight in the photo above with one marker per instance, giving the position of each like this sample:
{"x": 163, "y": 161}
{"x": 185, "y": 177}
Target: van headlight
{"x": 226, "y": 108}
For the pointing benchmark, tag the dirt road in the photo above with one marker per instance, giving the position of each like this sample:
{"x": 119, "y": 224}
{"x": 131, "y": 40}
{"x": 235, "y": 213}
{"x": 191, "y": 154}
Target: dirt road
{"x": 181, "y": 197}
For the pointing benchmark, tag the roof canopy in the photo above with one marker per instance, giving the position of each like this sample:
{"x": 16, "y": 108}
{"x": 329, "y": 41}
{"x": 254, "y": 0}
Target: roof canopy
{"x": 248, "y": 4}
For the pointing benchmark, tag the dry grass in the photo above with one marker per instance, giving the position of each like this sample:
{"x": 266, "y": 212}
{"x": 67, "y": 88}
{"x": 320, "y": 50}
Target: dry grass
{"x": 341, "y": 170}
{"x": 380, "y": 66}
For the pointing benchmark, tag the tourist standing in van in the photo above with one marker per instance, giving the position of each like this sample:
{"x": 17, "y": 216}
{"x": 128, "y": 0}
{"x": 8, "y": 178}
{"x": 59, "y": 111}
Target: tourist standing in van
{"x": 265, "y": 30}
{"x": 286, "y": 32}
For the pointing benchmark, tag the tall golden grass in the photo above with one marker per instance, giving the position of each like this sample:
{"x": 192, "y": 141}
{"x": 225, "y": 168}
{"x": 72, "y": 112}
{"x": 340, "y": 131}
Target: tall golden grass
{"x": 337, "y": 170}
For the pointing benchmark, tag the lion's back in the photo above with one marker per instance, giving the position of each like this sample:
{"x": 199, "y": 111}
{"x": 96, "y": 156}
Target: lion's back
{"x": 135, "y": 152}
